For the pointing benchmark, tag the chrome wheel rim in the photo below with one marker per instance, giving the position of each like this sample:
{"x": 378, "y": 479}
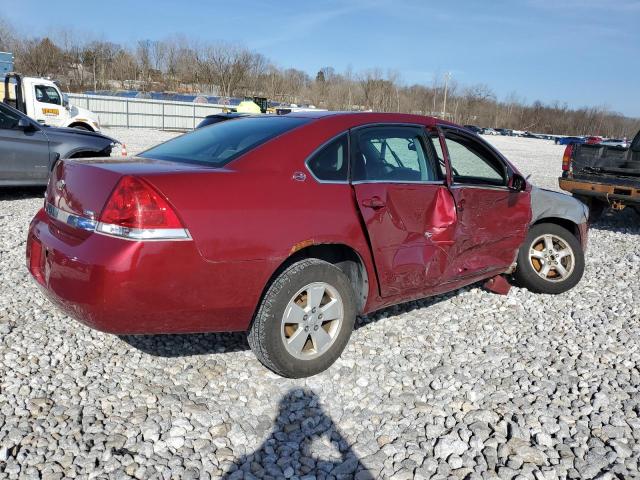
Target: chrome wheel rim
{"x": 312, "y": 321}
{"x": 552, "y": 258}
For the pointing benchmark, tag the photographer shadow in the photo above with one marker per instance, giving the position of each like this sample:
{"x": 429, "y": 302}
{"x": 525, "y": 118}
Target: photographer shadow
{"x": 304, "y": 441}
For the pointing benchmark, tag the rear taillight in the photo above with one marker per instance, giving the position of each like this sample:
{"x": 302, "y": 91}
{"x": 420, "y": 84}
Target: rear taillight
{"x": 137, "y": 211}
{"x": 566, "y": 158}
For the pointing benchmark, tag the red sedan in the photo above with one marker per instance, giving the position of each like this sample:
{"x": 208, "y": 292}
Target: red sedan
{"x": 289, "y": 226}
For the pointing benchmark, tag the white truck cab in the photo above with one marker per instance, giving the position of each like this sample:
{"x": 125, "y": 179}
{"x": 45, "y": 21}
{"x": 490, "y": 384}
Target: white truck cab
{"x": 42, "y": 100}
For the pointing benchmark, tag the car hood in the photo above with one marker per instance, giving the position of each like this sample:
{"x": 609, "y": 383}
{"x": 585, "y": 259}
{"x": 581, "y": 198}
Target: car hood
{"x": 76, "y": 133}
{"x": 549, "y": 204}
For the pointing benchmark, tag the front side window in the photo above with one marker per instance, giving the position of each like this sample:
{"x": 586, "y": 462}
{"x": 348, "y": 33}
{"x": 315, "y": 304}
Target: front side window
{"x": 330, "y": 162}
{"x": 218, "y": 144}
{"x": 393, "y": 154}
{"x": 472, "y": 162}
{"x": 8, "y": 119}
{"x": 48, "y": 94}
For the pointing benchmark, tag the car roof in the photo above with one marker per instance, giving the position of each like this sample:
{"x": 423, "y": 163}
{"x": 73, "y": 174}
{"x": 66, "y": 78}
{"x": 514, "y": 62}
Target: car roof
{"x": 372, "y": 117}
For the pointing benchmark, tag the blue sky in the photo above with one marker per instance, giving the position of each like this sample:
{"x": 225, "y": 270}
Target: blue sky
{"x": 583, "y": 52}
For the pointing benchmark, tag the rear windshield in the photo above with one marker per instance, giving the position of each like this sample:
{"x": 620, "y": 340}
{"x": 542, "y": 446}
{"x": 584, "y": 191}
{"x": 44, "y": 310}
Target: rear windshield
{"x": 218, "y": 144}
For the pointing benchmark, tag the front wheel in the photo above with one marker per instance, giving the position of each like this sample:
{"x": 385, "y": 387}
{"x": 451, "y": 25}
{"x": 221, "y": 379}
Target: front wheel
{"x": 305, "y": 319}
{"x": 551, "y": 260}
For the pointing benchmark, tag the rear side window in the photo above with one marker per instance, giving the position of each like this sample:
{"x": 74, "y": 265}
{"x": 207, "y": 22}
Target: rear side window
{"x": 392, "y": 154}
{"x": 330, "y": 163}
{"x": 220, "y": 143}
{"x": 8, "y": 119}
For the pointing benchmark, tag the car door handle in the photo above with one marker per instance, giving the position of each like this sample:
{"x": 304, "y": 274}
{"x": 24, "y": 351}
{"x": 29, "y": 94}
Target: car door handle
{"x": 461, "y": 204}
{"x": 374, "y": 202}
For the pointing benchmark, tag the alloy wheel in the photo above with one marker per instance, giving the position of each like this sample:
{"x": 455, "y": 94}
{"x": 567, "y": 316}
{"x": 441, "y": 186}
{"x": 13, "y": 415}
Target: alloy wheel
{"x": 552, "y": 258}
{"x": 312, "y": 320}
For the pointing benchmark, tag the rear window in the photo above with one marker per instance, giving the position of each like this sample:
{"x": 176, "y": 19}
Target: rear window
{"x": 218, "y": 144}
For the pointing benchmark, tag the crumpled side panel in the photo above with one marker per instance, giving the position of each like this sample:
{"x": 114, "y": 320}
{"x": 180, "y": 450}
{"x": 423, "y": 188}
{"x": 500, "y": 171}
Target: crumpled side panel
{"x": 492, "y": 225}
{"x": 549, "y": 204}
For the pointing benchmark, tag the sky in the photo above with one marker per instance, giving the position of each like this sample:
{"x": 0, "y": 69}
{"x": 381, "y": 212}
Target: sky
{"x": 582, "y": 52}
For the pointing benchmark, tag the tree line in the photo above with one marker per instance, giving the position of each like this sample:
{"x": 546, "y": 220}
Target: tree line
{"x": 182, "y": 65}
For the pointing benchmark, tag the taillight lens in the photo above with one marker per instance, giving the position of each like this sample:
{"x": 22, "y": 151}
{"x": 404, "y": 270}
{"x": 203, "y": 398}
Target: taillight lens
{"x": 137, "y": 211}
{"x": 566, "y": 158}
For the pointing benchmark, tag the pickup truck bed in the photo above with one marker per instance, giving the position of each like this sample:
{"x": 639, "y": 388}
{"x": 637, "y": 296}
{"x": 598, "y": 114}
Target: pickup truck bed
{"x": 603, "y": 175}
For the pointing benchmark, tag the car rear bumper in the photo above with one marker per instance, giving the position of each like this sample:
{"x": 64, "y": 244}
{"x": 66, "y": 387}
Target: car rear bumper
{"x": 131, "y": 287}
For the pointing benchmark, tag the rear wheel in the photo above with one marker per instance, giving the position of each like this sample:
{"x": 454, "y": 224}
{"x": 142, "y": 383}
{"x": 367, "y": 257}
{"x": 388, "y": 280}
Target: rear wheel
{"x": 82, "y": 127}
{"x": 551, "y": 260}
{"x": 305, "y": 319}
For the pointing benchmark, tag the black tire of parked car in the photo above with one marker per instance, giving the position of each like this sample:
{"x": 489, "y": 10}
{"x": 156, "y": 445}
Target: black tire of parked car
{"x": 527, "y": 277}
{"x": 265, "y": 337}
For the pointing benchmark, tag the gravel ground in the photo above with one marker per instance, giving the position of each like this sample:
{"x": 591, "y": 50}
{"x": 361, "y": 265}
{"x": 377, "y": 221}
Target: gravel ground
{"x": 466, "y": 385}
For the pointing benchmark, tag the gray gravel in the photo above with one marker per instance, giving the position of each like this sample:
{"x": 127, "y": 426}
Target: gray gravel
{"x": 466, "y": 385}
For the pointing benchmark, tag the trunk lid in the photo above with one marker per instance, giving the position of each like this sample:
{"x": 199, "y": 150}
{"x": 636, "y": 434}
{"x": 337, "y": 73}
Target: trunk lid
{"x": 82, "y": 187}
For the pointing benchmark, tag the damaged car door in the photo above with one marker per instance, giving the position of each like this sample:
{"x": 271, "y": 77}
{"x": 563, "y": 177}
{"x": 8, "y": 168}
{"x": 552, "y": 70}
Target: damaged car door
{"x": 493, "y": 216}
{"x": 403, "y": 200}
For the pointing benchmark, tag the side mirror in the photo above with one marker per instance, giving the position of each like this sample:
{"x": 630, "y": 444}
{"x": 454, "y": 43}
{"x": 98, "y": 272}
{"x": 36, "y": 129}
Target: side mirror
{"x": 26, "y": 125}
{"x": 65, "y": 101}
{"x": 517, "y": 183}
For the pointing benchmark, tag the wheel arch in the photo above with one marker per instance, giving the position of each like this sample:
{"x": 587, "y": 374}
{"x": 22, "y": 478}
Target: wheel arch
{"x": 81, "y": 124}
{"x": 345, "y": 257}
{"x": 566, "y": 223}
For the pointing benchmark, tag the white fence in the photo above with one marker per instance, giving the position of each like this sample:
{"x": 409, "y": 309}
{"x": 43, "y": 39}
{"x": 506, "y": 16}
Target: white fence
{"x": 143, "y": 113}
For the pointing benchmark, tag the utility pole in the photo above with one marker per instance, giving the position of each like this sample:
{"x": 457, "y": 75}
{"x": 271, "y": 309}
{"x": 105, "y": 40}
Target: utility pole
{"x": 447, "y": 77}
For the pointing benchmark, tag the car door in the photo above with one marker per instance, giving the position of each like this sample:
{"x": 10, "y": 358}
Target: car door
{"x": 24, "y": 153}
{"x": 493, "y": 219}
{"x": 47, "y": 105}
{"x": 403, "y": 200}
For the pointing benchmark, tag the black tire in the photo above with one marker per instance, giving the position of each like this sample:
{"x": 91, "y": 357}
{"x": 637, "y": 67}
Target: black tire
{"x": 527, "y": 276}
{"x": 82, "y": 127}
{"x": 265, "y": 336}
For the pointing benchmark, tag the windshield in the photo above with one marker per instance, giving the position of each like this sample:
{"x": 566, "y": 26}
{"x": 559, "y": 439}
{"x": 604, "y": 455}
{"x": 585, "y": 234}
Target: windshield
{"x": 218, "y": 144}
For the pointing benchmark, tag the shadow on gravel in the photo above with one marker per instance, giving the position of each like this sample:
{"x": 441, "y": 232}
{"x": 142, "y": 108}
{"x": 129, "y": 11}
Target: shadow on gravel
{"x": 304, "y": 440}
{"x": 363, "y": 321}
{"x": 626, "y": 221}
{"x": 21, "y": 193}
{"x": 188, "y": 344}
{"x": 185, "y": 345}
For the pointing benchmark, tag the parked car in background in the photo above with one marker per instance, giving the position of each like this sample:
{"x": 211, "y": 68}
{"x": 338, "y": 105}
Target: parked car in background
{"x": 593, "y": 140}
{"x": 570, "y": 140}
{"x": 219, "y": 117}
{"x": 616, "y": 142}
{"x": 531, "y": 135}
{"x": 289, "y": 226}
{"x": 29, "y": 150}
{"x": 473, "y": 128}
{"x": 504, "y": 131}
{"x": 603, "y": 175}
{"x": 489, "y": 131}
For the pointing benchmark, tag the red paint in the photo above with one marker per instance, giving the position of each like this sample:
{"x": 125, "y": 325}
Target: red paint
{"x": 498, "y": 285}
{"x": 246, "y": 218}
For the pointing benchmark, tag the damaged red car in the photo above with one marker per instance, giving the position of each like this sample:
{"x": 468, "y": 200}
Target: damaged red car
{"x": 287, "y": 227}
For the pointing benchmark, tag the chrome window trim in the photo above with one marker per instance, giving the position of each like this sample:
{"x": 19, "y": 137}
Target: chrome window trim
{"x": 482, "y": 186}
{"x": 116, "y": 231}
{"x": 412, "y": 182}
{"x": 317, "y": 150}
